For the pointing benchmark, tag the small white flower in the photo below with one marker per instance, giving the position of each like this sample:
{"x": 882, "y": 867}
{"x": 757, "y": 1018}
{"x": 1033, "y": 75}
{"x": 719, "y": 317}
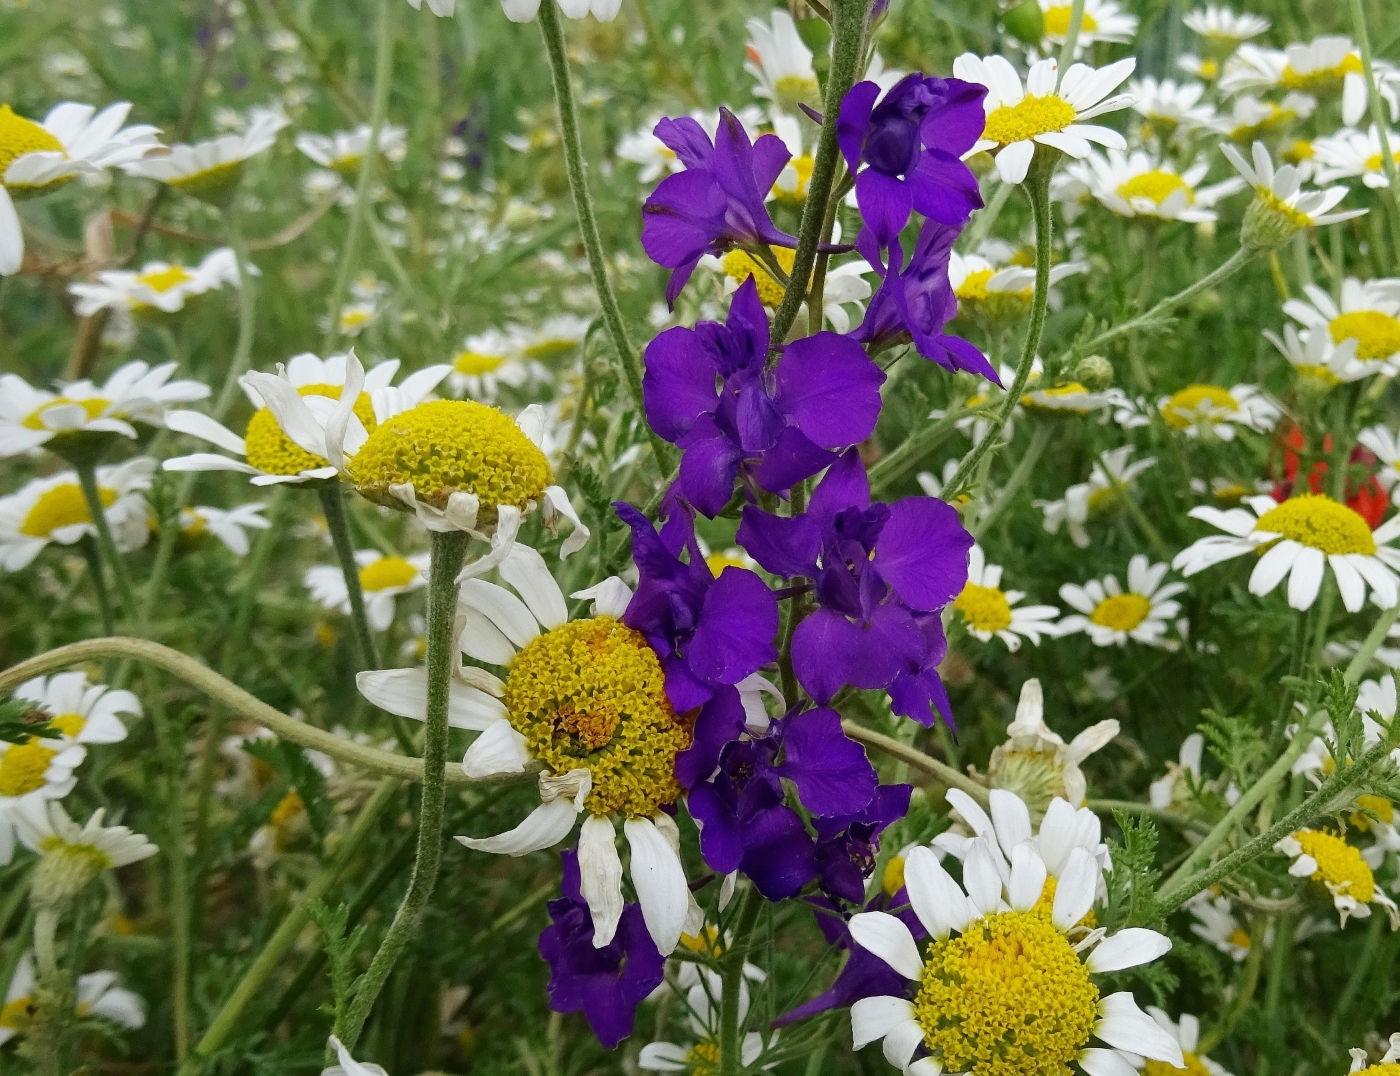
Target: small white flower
{"x": 1170, "y": 106}
{"x": 382, "y": 579}
{"x": 989, "y": 611}
{"x": 558, "y": 336}
{"x": 1319, "y": 361}
{"x": 1326, "y": 64}
{"x": 159, "y": 286}
{"x": 97, "y": 995}
{"x": 1251, "y": 117}
{"x": 1110, "y": 616}
{"x": 1216, "y": 924}
{"x": 1280, "y": 193}
{"x": 780, "y": 62}
{"x": 348, "y": 1066}
{"x": 229, "y": 526}
{"x": 526, "y": 10}
{"x": 1368, "y": 316}
{"x": 1208, "y": 409}
{"x": 1223, "y": 28}
{"x": 1386, "y": 445}
{"x": 1164, "y": 790}
{"x": 209, "y": 170}
{"x": 1102, "y": 20}
{"x": 344, "y": 150}
{"x": 491, "y": 359}
{"x": 1100, "y": 493}
{"x": 1136, "y": 185}
{"x": 1353, "y": 154}
{"x": 642, "y": 147}
{"x": 53, "y": 509}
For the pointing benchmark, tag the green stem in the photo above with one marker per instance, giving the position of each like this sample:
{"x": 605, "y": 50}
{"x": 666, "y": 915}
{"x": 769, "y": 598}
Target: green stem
{"x": 1076, "y": 22}
{"x": 916, "y": 446}
{"x": 916, "y": 759}
{"x": 88, "y": 544}
{"x": 87, "y": 479}
{"x": 333, "y": 507}
{"x": 247, "y": 321}
{"x": 1380, "y": 119}
{"x": 1024, "y": 466}
{"x": 1356, "y": 669}
{"x": 1245, "y": 994}
{"x": 448, "y": 550}
{"x": 1153, "y": 536}
{"x": 848, "y": 30}
{"x": 731, "y": 1036}
{"x": 1180, "y": 821}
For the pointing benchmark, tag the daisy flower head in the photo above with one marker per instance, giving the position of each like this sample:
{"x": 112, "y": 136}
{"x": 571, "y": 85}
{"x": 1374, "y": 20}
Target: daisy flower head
{"x": 1222, "y": 29}
{"x": 1049, "y": 112}
{"x": 1136, "y": 185}
{"x": 1110, "y": 615}
{"x": 342, "y": 152}
{"x": 989, "y": 611}
{"x": 1252, "y": 118}
{"x": 1169, "y": 107}
{"x": 73, "y": 139}
{"x": 84, "y": 418}
{"x": 1164, "y": 791}
{"x": 489, "y": 360}
{"x": 1323, "y": 66}
{"x": 781, "y": 63}
{"x": 1204, "y": 68}
{"x": 1386, "y": 445}
{"x": 82, "y": 712}
{"x": 159, "y": 288}
{"x": 1322, "y": 856}
{"x": 1297, "y": 539}
{"x": 1355, "y": 155}
{"x": 210, "y": 170}
{"x": 1360, "y": 1058}
{"x": 382, "y": 579}
{"x": 97, "y": 995}
{"x": 53, "y": 509}
{"x": 703, "y": 1055}
{"x": 1083, "y": 500}
{"x": 1209, "y": 410}
{"x": 999, "y": 293}
{"x": 1103, "y": 20}
{"x": 38, "y": 769}
{"x": 229, "y": 526}
{"x": 71, "y": 856}
{"x": 1187, "y": 1032}
{"x": 356, "y": 317}
{"x": 1216, "y": 924}
{"x": 970, "y": 1000}
{"x": 1281, "y": 207}
{"x": 556, "y": 337}
{"x": 1320, "y": 364}
{"x": 1069, "y": 398}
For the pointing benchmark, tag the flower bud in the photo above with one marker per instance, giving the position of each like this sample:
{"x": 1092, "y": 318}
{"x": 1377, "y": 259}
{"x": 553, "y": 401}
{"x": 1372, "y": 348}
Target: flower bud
{"x": 1094, "y": 372}
{"x": 1025, "y": 22}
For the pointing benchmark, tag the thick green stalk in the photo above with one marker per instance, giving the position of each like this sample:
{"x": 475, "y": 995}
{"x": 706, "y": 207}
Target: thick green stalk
{"x": 1076, "y": 23}
{"x": 916, "y": 759}
{"x": 333, "y": 507}
{"x": 448, "y": 550}
{"x": 93, "y": 556}
{"x": 848, "y": 32}
{"x": 1380, "y": 119}
{"x": 87, "y": 479}
{"x": 731, "y": 1035}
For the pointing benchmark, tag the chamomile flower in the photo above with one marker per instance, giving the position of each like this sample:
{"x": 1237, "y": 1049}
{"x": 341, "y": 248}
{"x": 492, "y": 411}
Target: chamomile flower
{"x": 81, "y": 412}
{"x": 71, "y": 856}
{"x": 1360, "y": 1059}
{"x": 1297, "y": 539}
{"x": 1070, "y": 398}
{"x": 1324, "y": 65}
{"x": 1319, "y": 362}
{"x": 1216, "y": 924}
{"x": 38, "y": 769}
{"x": 1037, "y": 1012}
{"x": 81, "y": 711}
{"x": 1018, "y": 119}
{"x": 355, "y": 318}
{"x": 159, "y": 287}
{"x": 97, "y": 995}
{"x": 845, "y": 283}
{"x": 489, "y": 360}
{"x": 1083, "y": 500}
{"x": 1136, "y": 185}
{"x": 382, "y": 579}
{"x": 1110, "y": 615}
{"x": 343, "y": 151}
{"x": 999, "y": 294}
{"x": 1164, "y": 791}
{"x": 781, "y": 63}
{"x": 268, "y": 454}
{"x": 1103, "y": 20}
{"x": 210, "y": 170}
{"x": 229, "y": 526}
{"x": 1327, "y": 858}
{"x": 1355, "y": 154}
{"x": 556, "y": 337}
{"x": 1169, "y": 107}
{"x": 1205, "y": 68}
{"x": 1251, "y": 118}
{"x": 989, "y": 611}
{"x": 1223, "y": 30}
{"x": 53, "y": 509}
{"x": 703, "y": 1015}
{"x": 1386, "y": 445}
{"x": 643, "y": 148}
{"x": 1187, "y": 1032}
{"x": 1281, "y": 208}
{"x": 1209, "y": 409}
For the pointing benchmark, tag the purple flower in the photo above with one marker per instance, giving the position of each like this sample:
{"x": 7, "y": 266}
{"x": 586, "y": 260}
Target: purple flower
{"x": 606, "y": 984}
{"x": 911, "y": 143}
{"x": 882, "y": 572}
{"x": 847, "y": 845}
{"x": 918, "y": 301}
{"x": 709, "y": 633}
{"x": 717, "y": 202}
{"x": 775, "y": 427}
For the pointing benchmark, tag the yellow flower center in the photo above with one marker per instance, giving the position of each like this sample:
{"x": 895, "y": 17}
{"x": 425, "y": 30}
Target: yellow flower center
{"x": 22, "y": 768}
{"x": 703, "y": 1059}
{"x": 1059, "y": 398}
{"x": 892, "y": 880}
{"x": 72, "y": 724}
{"x": 1302, "y": 150}
{"x": 387, "y": 572}
{"x": 19, "y": 136}
{"x": 1377, "y": 335}
{"x": 1157, "y": 186}
{"x": 797, "y": 194}
{"x": 1101, "y": 499}
{"x": 210, "y": 184}
{"x": 93, "y": 405}
{"x": 15, "y": 1014}
{"x": 1121, "y": 612}
{"x": 1230, "y": 493}
{"x": 1322, "y": 77}
{"x": 708, "y": 941}
{"x": 446, "y": 446}
{"x": 89, "y": 857}
{"x": 164, "y": 279}
{"x": 984, "y": 608}
{"x": 1339, "y": 865}
{"x": 355, "y": 317}
{"x": 1379, "y": 806}
{"x": 474, "y": 363}
{"x": 1239, "y": 938}
{"x": 273, "y": 452}
{"x": 592, "y": 695}
{"x": 1320, "y": 522}
{"x": 1277, "y": 117}
{"x": 1373, "y": 162}
{"x": 62, "y": 506}
{"x": 1275, "y": 204}
{"x": 1028, "y": 117}
{"x": 717, "y": 562}
{"x": 1323, "y": 375}
{"x": 974, "y": 285}
{"x": 1008, "y": 998}
{"x": 795, "y": 88}
{"x": 1193, "y": 1067}
{"x": 739, "y": 265}
{"x": 1385, "y": 1068}
{"x": 549, "y": 347}
{"x": 1209, "y": 69}
{"x": 1057, "y": 21}
{"x": 287, "y": 810}
{"x": 1186, "y": 406}
{"x": 1045, "y": 906}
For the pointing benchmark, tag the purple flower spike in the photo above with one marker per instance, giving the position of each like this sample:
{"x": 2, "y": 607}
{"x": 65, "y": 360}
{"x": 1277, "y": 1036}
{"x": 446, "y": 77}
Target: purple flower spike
{"x": 847, "y": 845}
{"x": 910, "y": 144}
{"x": 717, "y": 202}
{"x": 772, "y": 427}
{"x": 917, "y": 302}
{"x": 606, "y": 984}
{"x": 882, "y": 572}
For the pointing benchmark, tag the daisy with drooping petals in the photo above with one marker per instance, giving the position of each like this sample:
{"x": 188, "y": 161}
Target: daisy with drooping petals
{"x": 781, "y": 63}
{"x": 1326, "y": 64}
{"x": 1198, "y": 409}
{"x": 1281, "y": 208}
{"x": 489, "y": 360}
{"x": 382, "y": 579}
{"x": 1368, "y": 314}
{"x": 344, "y": 150}
{"x": 1103, "y": 20}
{"x": 1042, "y": 113}
{"x": 159, "y": 288}
{"x": 1297, "y": 539}
{"x": 1110, "y": 616}
{"x": 1081, "y": 501}
{"x": 97, "y": 995}
{"x": 1138, "y": 186}
{"x": 1223, "y": 30}
{"x": 990, "y": 611}
{"x": 54, "y": 509}
{"x": 1319, "y": 362}
{"x": 210, "y": 170}
{"x": 1360, "y": 1059}
{"x": 70, "y": 855}
{"x": 1327, "y": 858}
{"x": 1355, "y": 154}
{"x": 1216, "y": 924}
{"x": 1168, "y": 107}
{"x": 999, "y": 293}
{"x": 1036, "y": 1012}
{"x": 1187, "y": 1033}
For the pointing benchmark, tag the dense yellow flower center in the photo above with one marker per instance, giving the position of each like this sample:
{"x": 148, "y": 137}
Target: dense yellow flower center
{"x": 974, "y": 285}
{"x": 592, "y": 695}
{"x": 1239, "y": 938}
{"x": 475, "y": 363}
{"x": 1377, "y": 335}
{"x": 91, "y": 858}
{"x": 1373, "y": 162}
{"x": 1060, "y": 398}
{"x": 1121, "y": 612}
{"x": 209, "y": 183}
{"x": 1157, "y": 186}
{"x": 1057, "y": 21}
{"x": 62, "y": 506}
{"x": 1193, "y": 1067}
{"x": 1009, "y": 997}
{"x": 703, "y": 1058}
{"x": 707, "y": 941}
{"x": 1320, "y": 78}
{"x": 355, "y": 317}
{"x": 797, "y": 193}
{"x": 15, "y": 1014}
{"x": 1275, "y": 204}
{"x": 387, "y": 572}
{"x": 163, "y": 280}
{"x": 273, "y": 452}
{"x": 1385, "y": 1068}
{"x": 19, "y": 136}
{"x": 739, "y": 265}
{"x": 72, "y": 724}
{"x": 1339, "y": 865}
{"x": 1320, "y": 522}
{"x": 446, "y": 446}
{"x": 984, "y": 608}
{"x": 892, "y": 880}
{"x": 1299, "y": 150}
{"x": 1379, "y": 806}
{"x": 549, "y": 347}
{"x": 286, "y": 810}
{"x": 794, "y": 88}
{"x": 93, "y": 405}
{"x": 1028, "y": 117}
{"x": 22, "y": 768}
{"x": 1187, "y": 405}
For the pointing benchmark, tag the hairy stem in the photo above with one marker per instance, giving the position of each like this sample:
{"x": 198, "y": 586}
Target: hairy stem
{"x": 1024, "y": 466}
{"x": 87, "y": 479}
{"x": 916, "y": 759}
{"x": 731, "y": 1035}
{"x": 333, "y": 507}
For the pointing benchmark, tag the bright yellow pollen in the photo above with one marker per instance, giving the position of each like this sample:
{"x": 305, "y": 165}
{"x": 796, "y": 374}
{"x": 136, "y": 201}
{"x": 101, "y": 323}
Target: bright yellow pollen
{"x": 165, "y": 279}
{"x": 892, "y": 880}
{"x": 19, "y": 136}
{"x": 1057, "y": 21}
{"x": 703, "y": 1059}
{"x": 1209, "y": 69}
{"x": 273, "y": 452}
{"x": 355, "y": 318}
{"x": 62, "y": 506}
{"x": 1010, "y": 997}
{"x": 1157, "y": 186}
{"x": 474, "y": 363}
{"x": 707, "y": 942}
{"x": 1028, "y": 117}
{"x": 803, "y": 166}
{"x": 591, "y": 695}
{"x": 1233, "y": 492}
{"x": 1302, "y": 150}
{"x": 1321, "y": 374}
{"x": 449, "y": 446}
{"x": 1319, "y": 79}
{"x": 1385, "y": 1068}
{"x": 984, "y": 608}
{"x": 72, "y": 724}
{"x": 1377, "y": 335}
{"x": 209, "y": 183}
{"x": 1339, "y": 865}
{"x": 1193, "y": 1067}
{"x": 739, "y": 265}
{"x": 974, "y": 285}
{"x": 1059, "y": 392}
{"x": 22, "y": 768}
{"x": 1121, "y": 612}
{"x": 1186, "y": 405}
{"x": 15, "y": 1014}
{"x": 387, "y": 572}
{"x": 1379, "y": 806}
{"x": 1240, "y": 939}
{"x": 1274, "y": 203}
{"x": 93, "y": 405}
{"x": 1321, "y": 523}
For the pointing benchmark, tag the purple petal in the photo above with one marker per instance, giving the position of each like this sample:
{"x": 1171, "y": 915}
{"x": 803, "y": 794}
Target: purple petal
{"x": 783, "y": 545}
{"x": 830, "y": 388}
{"x": 720, "y": 720}
{"x": 844, "y": 485}
{"x": 853, "y": 119}
{"x": 707, "y": 473}
{"x": 770, "y": 157}
{"x": 889, "y": 642}
{"x": 944, "y": 189}
{"x": 922, "y": 552}
{"x": 681, "y": 218}
{"x": 959, "y": 121}
{"x": 791, "y": 460}
{"x": 885, "y": 202}
{"x": 831, "y": 772}
{"x": 683, "y": 688}
{"x": 737, "y": 624}
{"x": 679, "y": 383}
{"x": 685, "y": 137}
{"x": 721, "y": 836}
{"x": 778, "y": 853}
{"x": 823, "y": 647}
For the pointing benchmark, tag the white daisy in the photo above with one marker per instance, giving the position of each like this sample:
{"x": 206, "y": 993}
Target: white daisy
{"x": 1110, "y": 615}
{"x": 210, "y": 170}
{"x": 83, "y": 712}
{"x": 1169, "y": 107}
{"x": 160, "y": 287}
{"x": 355, "y": 318}
{"x": 1136, "y": 185}
{"x": 1210, "y": 409}
{"x": 71, "y": 855}
{"x": 989, "y": 611}
{"x": 1100, "y": 493}
{"x": 1216, "y": 924}
{"x": 1280, "y": 200}
{"x": 781, "y": 63}
{"x": 1251, "y": 118}
{"x": 1204, "y": 68}
{"x": 642, "y": 147}
{"x": 37, "y": 770}
{"x": 53, "y": 509}
{"x": 382, "y": 579}
{"x": 1126, "y": 411}
{"x": 1386, "y": 445}
{"x": 344, "y": 150}
{"x": 489, "y": 360}
{"x": 1298, "y": 538}
{"x": 1165, "y": 790}
{"x": 559, "y": 335}
{"x": 1360, "y": 1059}
{"x": 1042, "y": 113}
{"x": 1317, "y": 360}
{"x": 1326, "y": 64}
{"x": 704, "y": 1001}
{"x": 526, "y": 10}
{"x": 1223, "y": 29}
{"x": 348, "y": 1066}
{"x": 97, "y": 995}
{"x": 1352, "y": 154}
{"x": 1103, "y": 20}
{"x": 135, "y": 392}
{"x": 228, "y": 526}
{"x": 1187, "y": 1033}
{"x": 1000, "y": 293}
{"x": 1327, "y": 858}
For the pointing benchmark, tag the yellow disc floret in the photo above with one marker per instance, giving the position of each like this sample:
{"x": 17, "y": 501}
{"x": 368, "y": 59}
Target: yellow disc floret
{"x": 72, "y": 724}
{"x": 739, "y": 265}
{"x": 1322, "y": 77}
{"x": 19, "y": 136}
{"x": 1377, "y": 335}
{"x": 984, "y": 608}
{"x": 1339, "y": 865}
{"x": 1057, "y": 21}
{"x": 703, "y": 1059}
{"x": 892, "y": 880}
{"x": 1193, "y": 1067}
{"x": 273, "y": 452}
{"x": 1320, "y": 522}
{"x": 18, "y": 1013}
{"x": 1028, "y": 117}
{"x": 592, "y": 695}
{"x": 1187, "y": 405}
{"x": 61, "y": 506}
{"x": 475, "y": 363}
{"x": 1385, "y": 1068}
{"x": 1008, "y": 998}
{"x": 387, "y": 572}
{"x": 163, "y": 280}
{"x": 1156, "y": 186}
{"x": 795, "y": 195}
{"x": 22, "y": 768}
{"x": 1121, "y": 612}
{"x": 95, "y": 406}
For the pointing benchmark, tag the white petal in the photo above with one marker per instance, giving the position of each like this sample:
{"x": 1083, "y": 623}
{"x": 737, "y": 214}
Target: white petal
{"x": 901, "y": 1041}
{"x": 502, "y": 608}
{"x": 663, "y": 1057}
{"x": 610, "y": 597}
{"x": 1127, "y": 949}
{"x": 889, "y": 939}
{"x": 1074, "y": 894}
{"x": 934, "y": 896}
{"x": 525, "y": 570}
{"x": 1125, "y": 1026}
{"x": 1010, "y": 815}
{"x": 546, "y": 825}
{"x": 557, "y": 500}
{"x": 874, "y": 1018}
{"x": 1098, "y": 1062}
{"x": 982, "y": 879}
{"x": 479, "y": 638}
{"x": 498, "y": 750}
{"x": 1014, "y": 161}
{"x": 600, "y": 876}
{"x": 1027, "y": 877}
{"x": 659, "y": 880}
{"x": 971, "y": 812}
{"x": 206, "y": 429}
{"x": 1306, "y": 579}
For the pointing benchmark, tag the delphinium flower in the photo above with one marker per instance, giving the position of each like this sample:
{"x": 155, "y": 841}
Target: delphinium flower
{"x": 1110, "y": 615}
{"x": 1171, "y": 109}
{"x": 1323, "y": 856}
{"x": 159, "y": 288}
{"x": 1320, "y": 364}
{"x": 1297, "y": 539}
{"x": 343, "y": 151}
{"x": 81, "y": 415}
{"x": 489, "y": 360}
{"x": 1355, "y": 155}
{"x": 781, "y": 63}
{"x": 1323, "y": 66}
{"x": 1281, "y": 207}
{"x": 382, "y": 579}
{"x": 1043, "y": 113}
{"x": 1102, "y": 20}
{"x": 97, "y": 995}
{"x": 1113, "y": 470}
{"x": 210, "y": 170}
{"x": 848, "y": 846}
{"x": 1202, "y": 409}
{"x": 1360, "y": 1058}
{"x": 53, "y": 509}
{"x": 882, "y": 573}
{"x": 988, "y": 611}
{"x": 1136, "y": 185}
{"x": 72, "y": 140}
{"x": 1368, "y": 314}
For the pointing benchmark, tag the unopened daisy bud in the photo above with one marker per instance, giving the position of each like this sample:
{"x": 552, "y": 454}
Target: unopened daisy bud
{"x": 1025, "y": 22}
{"x": 1270, "y": 223}
{"x": 1094, "y": 372}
